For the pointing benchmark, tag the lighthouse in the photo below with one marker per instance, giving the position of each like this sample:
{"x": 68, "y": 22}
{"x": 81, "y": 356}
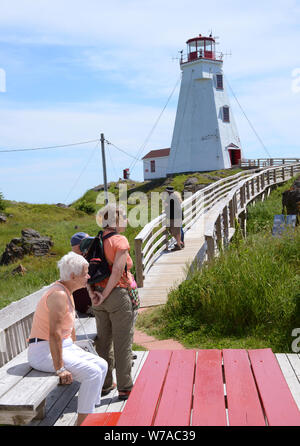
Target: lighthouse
{"x": 205, "y": 136}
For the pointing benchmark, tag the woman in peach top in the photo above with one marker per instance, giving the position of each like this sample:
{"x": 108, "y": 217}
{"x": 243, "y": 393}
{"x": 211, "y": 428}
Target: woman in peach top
{"x": 112, "y": 305}
{"x": 51, "y": 341}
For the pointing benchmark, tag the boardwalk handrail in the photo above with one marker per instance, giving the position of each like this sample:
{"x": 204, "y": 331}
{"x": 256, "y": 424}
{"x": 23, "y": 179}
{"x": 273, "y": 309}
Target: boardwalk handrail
{"x": 268, "y": 162}
{"x": 153, "y": 238}
{"x": 220, "y": 226}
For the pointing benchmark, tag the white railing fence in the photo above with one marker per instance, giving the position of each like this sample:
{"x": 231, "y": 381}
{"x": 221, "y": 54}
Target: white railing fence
{"x": 220, "y": 203}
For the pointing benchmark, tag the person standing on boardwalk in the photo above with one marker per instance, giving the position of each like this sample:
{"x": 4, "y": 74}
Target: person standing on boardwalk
{"x": 112, "y": 305}
{"x": 52, "y": 337}
{"x": 81, "y": 297}
{"x": 173, "y": 210}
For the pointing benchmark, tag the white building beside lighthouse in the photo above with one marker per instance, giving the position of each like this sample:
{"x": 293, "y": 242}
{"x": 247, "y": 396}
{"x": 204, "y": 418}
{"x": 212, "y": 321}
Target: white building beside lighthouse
{"x": 205, "y": 136}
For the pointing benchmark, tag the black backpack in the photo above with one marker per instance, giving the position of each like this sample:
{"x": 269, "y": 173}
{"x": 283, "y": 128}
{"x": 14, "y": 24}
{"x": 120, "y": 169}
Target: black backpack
{"x": 98, "y": 266}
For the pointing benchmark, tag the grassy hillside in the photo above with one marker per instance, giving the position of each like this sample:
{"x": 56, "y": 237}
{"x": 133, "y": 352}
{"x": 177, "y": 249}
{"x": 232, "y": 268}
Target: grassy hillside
{"x": 60, "y": 224}
{"x": 248, "y": 297}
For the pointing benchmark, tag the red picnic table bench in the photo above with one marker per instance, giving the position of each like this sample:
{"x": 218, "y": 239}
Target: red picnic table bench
{"x": 207, "y": 388}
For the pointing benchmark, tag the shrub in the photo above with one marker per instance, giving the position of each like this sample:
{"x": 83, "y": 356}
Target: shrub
{"x": 2, "y": 204}
{"x": 83, "y": 206}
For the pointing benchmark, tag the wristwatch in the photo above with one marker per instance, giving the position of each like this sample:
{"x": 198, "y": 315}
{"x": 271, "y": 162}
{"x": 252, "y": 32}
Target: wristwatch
{"x": 59, "y": 371}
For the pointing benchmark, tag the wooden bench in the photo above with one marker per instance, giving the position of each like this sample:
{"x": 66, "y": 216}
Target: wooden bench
{"x": 207, "y": 388}
{"x": 23, "y": 390}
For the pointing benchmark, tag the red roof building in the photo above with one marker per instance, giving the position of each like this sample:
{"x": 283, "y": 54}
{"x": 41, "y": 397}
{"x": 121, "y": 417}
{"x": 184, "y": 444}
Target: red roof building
{"x": 156, "y": 163}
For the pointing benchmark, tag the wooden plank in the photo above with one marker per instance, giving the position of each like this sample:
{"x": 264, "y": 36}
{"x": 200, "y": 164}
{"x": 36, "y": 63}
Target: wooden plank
{"x": 244, "y": 408}
{"x": 176, "y": 401}
{"x": 102, "y": 419}
{"x": 55, "y": 404}
{"x": 29, "y": 392}
{"x": 278, "y": 402}
{"x": 13, "y": 372}
{"x": 209, "y": 399}
{"x": 141, "y": 406}
{"x": 289, "y": 373}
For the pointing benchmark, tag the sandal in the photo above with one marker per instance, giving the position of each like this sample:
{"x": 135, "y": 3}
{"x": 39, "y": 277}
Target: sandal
{"x": 124, "y": 395}
{"x": 108, "y": 389}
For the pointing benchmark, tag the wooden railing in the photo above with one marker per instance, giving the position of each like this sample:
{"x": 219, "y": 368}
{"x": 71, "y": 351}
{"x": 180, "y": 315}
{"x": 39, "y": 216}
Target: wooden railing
{"x": 220, "y": 225}
{"x": 234, "y": 192}
{"x": 268, "y": 162}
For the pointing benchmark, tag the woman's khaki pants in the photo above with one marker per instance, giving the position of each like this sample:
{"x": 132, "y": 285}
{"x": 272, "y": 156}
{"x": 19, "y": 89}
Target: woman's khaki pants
{"x": 114, "y": 319}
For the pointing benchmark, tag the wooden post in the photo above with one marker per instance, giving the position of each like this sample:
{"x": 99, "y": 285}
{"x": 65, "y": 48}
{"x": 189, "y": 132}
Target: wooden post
{"x": 210, "y": 243}
{"x": 219, "y": 231}
{"x": 242, "y": 202}
{"x": 139, "y": 262}
{"x": 225, "y": 224}
{"x": 243, "y": 220}
{"x": 283, "y": 173}
{"x": 248, "y": 191}
{"x": 104, "y": 167}
{"x": 231, "y": 213}
{"x": 252, "y": 187}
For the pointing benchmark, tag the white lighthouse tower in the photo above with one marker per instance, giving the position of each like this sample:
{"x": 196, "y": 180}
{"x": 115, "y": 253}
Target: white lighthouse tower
{"x": 205, "y": 136}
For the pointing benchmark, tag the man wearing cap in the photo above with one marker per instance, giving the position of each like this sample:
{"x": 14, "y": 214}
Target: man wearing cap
{"x": 172, "y": 206}
{"x": 80, "y": 243}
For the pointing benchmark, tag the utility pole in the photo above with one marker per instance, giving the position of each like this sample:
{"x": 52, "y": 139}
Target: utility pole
{"x": 104, "y": 167}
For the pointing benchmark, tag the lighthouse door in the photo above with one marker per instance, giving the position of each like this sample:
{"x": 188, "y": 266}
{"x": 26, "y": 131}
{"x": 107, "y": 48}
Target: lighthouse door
{"x": 235, "y": 156}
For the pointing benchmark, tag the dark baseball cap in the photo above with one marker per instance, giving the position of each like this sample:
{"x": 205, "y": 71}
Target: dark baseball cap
{"x": 77, "y": 238}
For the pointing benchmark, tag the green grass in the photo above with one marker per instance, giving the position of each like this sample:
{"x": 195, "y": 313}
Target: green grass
{"x": 248, "y": 297}
{"x": 60, "y": 224}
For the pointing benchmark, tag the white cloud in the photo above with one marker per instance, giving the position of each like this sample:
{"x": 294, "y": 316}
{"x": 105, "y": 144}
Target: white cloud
{"x": 131, "y": 44}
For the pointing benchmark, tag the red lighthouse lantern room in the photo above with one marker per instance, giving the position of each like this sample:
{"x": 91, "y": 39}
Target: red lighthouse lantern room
{"x": 201, "y": 48}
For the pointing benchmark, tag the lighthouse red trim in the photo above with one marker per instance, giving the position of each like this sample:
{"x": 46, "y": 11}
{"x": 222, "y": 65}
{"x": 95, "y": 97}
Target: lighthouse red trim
{"x": 200, "y": 47}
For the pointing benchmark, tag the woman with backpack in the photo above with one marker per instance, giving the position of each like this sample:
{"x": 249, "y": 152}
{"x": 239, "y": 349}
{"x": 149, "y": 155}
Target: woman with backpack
{"x": 112, "y": 305}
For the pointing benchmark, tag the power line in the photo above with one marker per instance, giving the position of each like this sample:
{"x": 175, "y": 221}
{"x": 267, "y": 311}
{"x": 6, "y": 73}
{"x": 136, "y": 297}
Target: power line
{"x": 258, "y": 137}
{"x": 140, "y": 151}
{"x": 131, "y": 156}
{"x": 82, "y": 171}
{"x": 50, "y": 147}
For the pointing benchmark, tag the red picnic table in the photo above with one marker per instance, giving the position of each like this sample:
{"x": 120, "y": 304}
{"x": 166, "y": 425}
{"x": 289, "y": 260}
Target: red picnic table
{"x": 207, "y": 388}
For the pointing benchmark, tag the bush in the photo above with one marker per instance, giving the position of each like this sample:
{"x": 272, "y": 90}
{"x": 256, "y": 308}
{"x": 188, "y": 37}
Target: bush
{"x": 85, "y": 207}
{"x": 2, "y": 203}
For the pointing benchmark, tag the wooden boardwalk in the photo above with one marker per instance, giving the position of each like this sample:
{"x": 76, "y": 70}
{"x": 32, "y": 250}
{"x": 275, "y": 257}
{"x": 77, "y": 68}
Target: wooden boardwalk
{"x": 172, "y": 267}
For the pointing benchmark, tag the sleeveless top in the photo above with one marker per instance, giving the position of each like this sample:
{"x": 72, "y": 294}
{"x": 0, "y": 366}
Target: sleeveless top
{"x": 40, "y": 325}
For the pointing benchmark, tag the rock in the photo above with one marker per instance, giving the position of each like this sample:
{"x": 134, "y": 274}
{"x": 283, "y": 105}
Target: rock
{"x": 31, "y": 242}
{"x": 191, "y": 181}
{"x": 61, "y": 205}
{"x": 3, "y": 218}
{"x": 291, "y": 200}
{"x": 19, "y": 270}
{"x": 211, "y": 177}
{"x": 192, "y": 185}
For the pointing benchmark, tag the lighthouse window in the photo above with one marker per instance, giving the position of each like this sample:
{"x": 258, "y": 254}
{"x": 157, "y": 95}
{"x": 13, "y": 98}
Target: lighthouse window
{"x": 152, "y": 164}
{"x": 219, "y": 78}
{"x": 226, "y": 117}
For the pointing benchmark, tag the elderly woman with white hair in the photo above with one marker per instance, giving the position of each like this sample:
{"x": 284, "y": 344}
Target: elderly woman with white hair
{"x": 51, "y": 341}
{"x": 112, "y": 305}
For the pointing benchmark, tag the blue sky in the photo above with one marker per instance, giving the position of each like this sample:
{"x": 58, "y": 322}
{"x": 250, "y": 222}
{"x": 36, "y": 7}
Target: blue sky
{"x": 75, "y": 69}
